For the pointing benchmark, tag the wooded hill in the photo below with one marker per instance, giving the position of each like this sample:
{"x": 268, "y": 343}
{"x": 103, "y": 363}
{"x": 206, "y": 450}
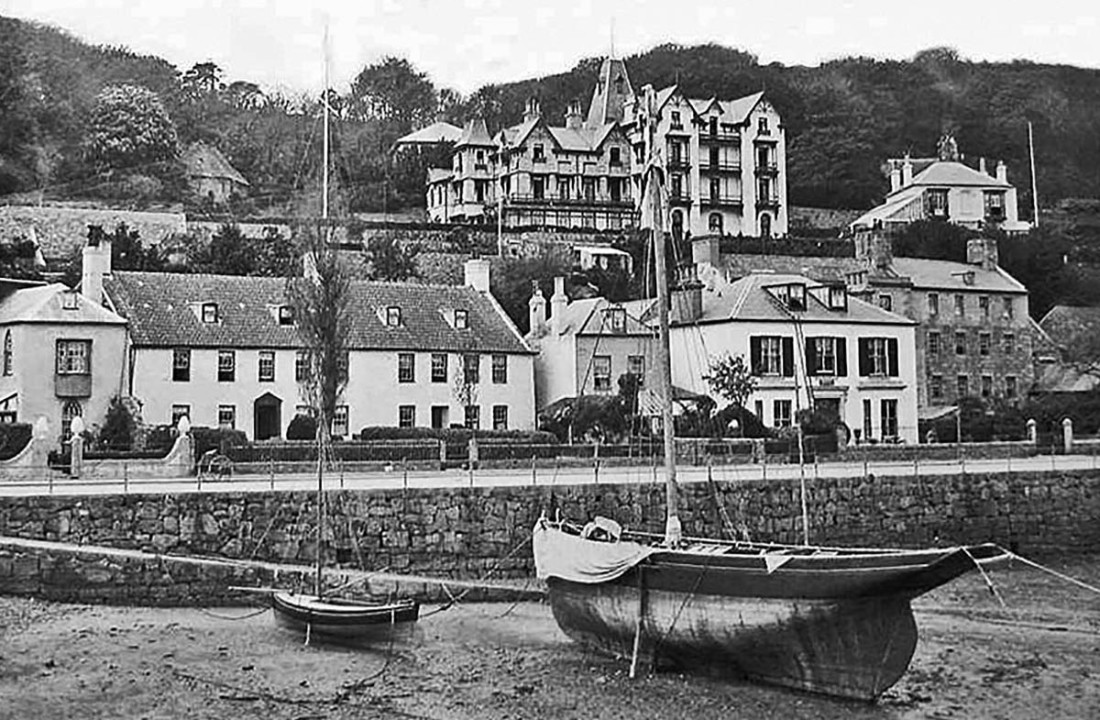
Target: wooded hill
{"x": 843, "y": 119}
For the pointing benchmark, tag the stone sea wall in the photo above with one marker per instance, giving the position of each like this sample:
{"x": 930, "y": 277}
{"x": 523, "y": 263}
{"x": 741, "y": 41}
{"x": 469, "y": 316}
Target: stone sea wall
{"x": 466, "y": 533}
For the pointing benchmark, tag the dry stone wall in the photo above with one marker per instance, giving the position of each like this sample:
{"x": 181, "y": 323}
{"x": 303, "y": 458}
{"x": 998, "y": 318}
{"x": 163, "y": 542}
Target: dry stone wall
{"x": 468, "y": 533}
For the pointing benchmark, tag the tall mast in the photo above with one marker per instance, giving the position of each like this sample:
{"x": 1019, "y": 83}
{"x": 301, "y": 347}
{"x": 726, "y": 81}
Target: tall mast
{"x": 664, "y": 363}
{"x": 322, "y": 429}
{"x": 1034, "y": 188}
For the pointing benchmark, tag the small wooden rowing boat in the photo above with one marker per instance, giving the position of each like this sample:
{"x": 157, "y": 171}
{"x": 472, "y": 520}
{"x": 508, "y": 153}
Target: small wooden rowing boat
{"x": 342, "y": 620}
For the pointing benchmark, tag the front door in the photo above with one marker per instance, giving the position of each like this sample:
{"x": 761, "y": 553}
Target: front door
{"x": 267, "y": 417}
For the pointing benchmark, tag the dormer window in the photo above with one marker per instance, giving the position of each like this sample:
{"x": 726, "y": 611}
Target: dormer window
{"x": 70, "y": 300}
{"x": 838, "y": 298}
{"x": 796, "y": 296}
{"x": 393, "y": 316}
{"x": 210, "y": 312}
{"x": 286, "y": 315}
{"x": 462, "y": 319}
{"x": 616, "y": 320}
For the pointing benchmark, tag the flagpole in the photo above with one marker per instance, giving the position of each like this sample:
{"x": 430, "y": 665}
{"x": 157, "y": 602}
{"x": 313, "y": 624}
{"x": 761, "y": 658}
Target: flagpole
{"x": 1034, "y": 187}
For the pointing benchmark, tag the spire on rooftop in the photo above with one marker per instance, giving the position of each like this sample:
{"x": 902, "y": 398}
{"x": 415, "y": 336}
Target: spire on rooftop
{"x": 612, "y": 93}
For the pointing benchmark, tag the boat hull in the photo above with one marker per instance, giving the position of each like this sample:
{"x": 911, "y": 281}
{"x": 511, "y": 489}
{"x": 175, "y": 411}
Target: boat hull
{"x": 847, "y": 648}
{"x": 827, "y": 620}
{"x": 344, "y": 621}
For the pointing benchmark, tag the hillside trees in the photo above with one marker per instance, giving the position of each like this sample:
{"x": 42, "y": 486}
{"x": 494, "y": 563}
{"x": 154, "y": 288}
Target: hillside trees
{"x": 129, "y": 129}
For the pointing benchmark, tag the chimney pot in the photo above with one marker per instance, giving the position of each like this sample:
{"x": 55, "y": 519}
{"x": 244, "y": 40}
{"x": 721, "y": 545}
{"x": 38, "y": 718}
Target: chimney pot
{"x": 558, "y": 302}
{"x": 477, "y": 274}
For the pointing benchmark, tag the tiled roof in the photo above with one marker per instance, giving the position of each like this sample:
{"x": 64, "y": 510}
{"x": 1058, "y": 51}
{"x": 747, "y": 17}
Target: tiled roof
{"x": 904, "y": 205}
{"x": 43, "y": 304}
{"x": 741, "y": 107}
{"x": 164, "y": 310}
{"x": 947, "y": 172}
{"x": 202, "y": 160}
{"x": 61, "y": 231}
{"x": 578, "y": 140}
{"x": 438, "y": 132}
{"x": 751, "y": 298}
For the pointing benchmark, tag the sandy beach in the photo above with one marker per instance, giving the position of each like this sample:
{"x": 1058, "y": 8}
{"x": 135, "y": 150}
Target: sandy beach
{"x": 1037, "y": 657}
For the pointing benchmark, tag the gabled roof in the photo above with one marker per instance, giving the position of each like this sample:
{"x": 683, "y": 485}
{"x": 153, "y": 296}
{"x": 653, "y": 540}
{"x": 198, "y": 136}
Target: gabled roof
{"x": 742, "y": 107}
{"x": 202, "y": 160}
{"x": 164, "y": 311}
{"x": 586, "y": 317}
{"x": 43, "y": 304}
{"x": 820, "y": 269}
{"x": 1074, "y": 329}
{"x": 437, "y": 132}
{"x": 754, "y": 298}
{"x": 947, "y": 172}
{"x": 475, "y": 133}
{"x": 517, "y": 134}
{"x": 903, "y": 205}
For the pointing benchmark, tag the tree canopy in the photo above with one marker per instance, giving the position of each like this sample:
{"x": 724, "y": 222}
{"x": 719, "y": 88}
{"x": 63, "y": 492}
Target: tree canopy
{"x": 130, "y": 128}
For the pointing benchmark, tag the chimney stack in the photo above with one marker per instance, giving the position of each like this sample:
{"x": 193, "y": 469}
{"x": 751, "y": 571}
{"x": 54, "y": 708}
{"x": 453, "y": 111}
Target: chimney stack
{"x": 982, "y": 251}
{"x": 532, "y": 111}
{"x": 1002, "y": 171}
{"x": 95, "y": 265}
{"x": 573, "y": 118}
{"x": 880, "y": 251}
{"x": 981, "y": 166}
{"x": 687, "y": 299}
{"x": 536, "y": 311}
{"x": 477, "y": 274}
{"x": 906, "y": 172}
{"x": 895, "y": 177}
{"x": 706, "y": 250}
{"x": 558, "y": 302}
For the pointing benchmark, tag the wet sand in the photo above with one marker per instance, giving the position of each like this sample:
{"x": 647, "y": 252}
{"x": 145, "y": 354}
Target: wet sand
{"x": 1037, "y": 658}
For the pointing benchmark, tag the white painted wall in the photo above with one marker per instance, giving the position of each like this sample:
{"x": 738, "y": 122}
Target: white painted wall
{"x": 692, "y": 346}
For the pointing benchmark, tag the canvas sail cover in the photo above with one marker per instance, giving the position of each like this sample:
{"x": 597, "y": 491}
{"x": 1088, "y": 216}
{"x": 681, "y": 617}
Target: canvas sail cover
{"x": 569, "y": 557}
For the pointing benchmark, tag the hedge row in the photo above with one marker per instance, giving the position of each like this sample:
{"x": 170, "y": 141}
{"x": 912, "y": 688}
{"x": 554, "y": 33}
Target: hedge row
{"x": 457, "y": 435}
{"x": 13, "y": 438}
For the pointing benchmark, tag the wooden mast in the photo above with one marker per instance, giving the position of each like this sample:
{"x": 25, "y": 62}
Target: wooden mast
{"x": 664, "y": 363}
{"x": 322, "y": 428}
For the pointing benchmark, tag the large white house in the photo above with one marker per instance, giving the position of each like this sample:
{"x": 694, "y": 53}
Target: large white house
{"x": 808, "y": 344}
{"x": 725, "y": 163}
{"x": 224, "y": 351}
{"x": 943, "y": 188}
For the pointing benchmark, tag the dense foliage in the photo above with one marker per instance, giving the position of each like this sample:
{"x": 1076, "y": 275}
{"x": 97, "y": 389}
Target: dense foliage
{"x": 843, "y": 118}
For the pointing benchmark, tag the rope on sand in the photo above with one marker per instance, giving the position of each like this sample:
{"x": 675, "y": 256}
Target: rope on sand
{"x": 456, "y": 599}
{"x": 985, "y": 576}
{"x": 1055, "y": 573}
{"x": 220, "y": 616}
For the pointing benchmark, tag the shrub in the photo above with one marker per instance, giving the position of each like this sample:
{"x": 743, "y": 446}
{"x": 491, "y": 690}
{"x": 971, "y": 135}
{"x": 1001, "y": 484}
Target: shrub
{"x": 117, "y": 432}
{"x": 13, "y": 438}
{"x": 160, "y": 438}
{"x": 302, "y": 427}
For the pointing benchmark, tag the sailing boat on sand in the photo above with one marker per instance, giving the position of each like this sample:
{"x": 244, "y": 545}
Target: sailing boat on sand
{"x": 324, "y": 614}
{"x": 830, "y": 620}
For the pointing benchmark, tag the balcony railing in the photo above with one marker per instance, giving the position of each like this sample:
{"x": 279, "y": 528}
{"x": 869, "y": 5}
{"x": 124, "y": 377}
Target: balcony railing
{"x": 548, "y": 200}
{"x": 721, "y": 200}
{"x": 767, "y": 201}
{"x": 721, "y": 137}
{"x": 767, "y": 169}
{"x": 680, "y": 163}
{"x": 721, "y": 167}
{"x": 679, "y": 197}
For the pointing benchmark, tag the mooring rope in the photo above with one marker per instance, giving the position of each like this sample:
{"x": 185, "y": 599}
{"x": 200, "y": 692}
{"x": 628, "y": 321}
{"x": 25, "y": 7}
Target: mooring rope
{"x": 1055, "y": 573}
{"x": 456, "y": 599}
{"x": 985, "y": 576}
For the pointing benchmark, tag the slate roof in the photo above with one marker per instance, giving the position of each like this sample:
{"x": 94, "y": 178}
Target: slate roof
{"x": 949, "y": 275}
{"x": 202, "y": 160}
{"x": 820, "y": 269}
{"x": 752, "y": 298}
{"x": 475, "y": 133}
{"x": 1074, "y": 329}
{"x": 585, "y": 317}
{"x": 437, "y": 132}
{"x": 946, "y": 172}
{"x": 164, "y": 310}
{"x": 43, "y": 304}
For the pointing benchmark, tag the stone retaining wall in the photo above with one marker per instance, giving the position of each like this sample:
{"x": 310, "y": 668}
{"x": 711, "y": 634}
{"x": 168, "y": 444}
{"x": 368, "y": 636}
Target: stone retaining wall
{"x": 466, "y": 533}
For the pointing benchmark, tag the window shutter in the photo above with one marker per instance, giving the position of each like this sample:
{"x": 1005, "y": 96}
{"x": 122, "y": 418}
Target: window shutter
{"x": 892, "y": 357}
{"x": 811, "y": 356}
{"x": 754, "y": 355}
{"x": 788, "y": 357}
{"x": 864, "y": 357}
{"x": 841, "y": 357}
